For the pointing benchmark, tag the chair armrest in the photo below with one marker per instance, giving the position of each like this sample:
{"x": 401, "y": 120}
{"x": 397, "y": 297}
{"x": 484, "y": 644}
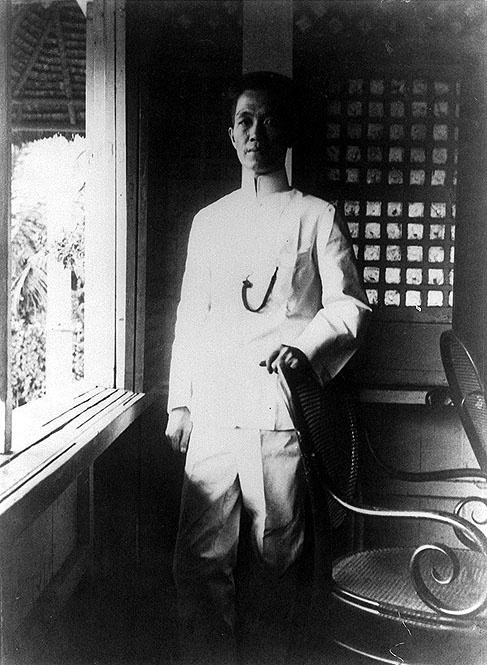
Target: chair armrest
{"x": 469, "y": 534}
{"x": 424, "y": 476}
{"x": 322, "y": 440}
{"x": 436, "y": 399}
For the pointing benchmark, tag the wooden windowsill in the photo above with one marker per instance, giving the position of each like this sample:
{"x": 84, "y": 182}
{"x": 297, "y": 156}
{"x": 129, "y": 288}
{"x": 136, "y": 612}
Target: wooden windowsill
{"x": 40, "y": 419}
{"x": 53, "y": 442}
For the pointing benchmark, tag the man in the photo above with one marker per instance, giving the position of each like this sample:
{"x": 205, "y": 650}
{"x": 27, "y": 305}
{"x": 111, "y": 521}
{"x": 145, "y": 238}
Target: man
{"x": 270, "y": 279}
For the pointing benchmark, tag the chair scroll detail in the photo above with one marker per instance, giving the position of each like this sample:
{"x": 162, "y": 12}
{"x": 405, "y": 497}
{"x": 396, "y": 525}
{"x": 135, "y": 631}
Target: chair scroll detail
{"x": 324, "y": 437}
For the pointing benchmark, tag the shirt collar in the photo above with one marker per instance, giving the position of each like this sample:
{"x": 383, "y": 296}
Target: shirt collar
{"x": 261, "y": 186}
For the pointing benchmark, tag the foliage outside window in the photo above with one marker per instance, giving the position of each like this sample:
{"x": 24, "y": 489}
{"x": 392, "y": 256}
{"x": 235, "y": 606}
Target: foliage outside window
{"x": 48, "y": 182}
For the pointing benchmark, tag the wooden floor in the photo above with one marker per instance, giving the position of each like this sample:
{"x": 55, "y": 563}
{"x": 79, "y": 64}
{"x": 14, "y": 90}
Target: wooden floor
{"x": 123, "y": 617}
{"x": 128, "y": 617}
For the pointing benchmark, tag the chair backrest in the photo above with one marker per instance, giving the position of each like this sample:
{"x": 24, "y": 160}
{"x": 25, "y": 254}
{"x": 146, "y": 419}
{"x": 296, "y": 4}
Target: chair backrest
{"x": 467, "y": 392}
{"x": 327, "y": 424}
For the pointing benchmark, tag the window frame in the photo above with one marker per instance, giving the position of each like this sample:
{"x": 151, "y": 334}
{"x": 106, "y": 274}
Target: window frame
{"x": 106, "y": 198}
{"x": 5, "y": 267}
{"x": 114, "y": 260}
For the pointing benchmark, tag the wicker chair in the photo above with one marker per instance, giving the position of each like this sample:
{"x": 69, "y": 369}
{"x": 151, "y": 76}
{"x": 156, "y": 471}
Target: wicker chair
{"x": 420, "y": 605}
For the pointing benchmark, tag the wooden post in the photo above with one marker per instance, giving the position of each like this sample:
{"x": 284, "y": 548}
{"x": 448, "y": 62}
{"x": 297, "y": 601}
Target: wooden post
{"x": 5, "y": 256}
{"x": 120, "y": 142}
{"x": 5, "y": 186}
{"x": 105, "y": 233}
{"x": 137, "y": 164}
{"x": 100, "y": 224}
{"x": 470, "y": 288}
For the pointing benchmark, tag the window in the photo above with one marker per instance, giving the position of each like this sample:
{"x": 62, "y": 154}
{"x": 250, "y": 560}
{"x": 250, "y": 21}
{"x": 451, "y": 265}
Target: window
{"x": 48, "y": 222}
{"x": 392, "y": 148}
{"x": 392, "y": 100}
{"x": 78, "y": 221}
{"x": 386, "y": 153}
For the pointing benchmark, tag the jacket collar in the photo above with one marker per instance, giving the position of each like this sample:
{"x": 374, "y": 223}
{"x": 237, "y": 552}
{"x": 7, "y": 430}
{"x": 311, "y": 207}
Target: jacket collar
{"x": 263, "y": 185}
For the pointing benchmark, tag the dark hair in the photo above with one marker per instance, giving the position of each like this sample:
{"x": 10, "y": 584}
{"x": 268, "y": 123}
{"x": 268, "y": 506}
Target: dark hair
{"x": 281, "y": 87}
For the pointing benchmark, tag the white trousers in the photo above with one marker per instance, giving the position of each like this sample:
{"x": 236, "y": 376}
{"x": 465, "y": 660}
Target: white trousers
{"x": 227, "y": 469}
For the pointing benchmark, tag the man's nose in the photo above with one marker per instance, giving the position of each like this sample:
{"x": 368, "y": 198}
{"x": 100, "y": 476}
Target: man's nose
{"x": 257, "y": 130}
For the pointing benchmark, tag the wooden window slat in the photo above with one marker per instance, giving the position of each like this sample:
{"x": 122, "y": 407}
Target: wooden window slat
{"x": 79, "y": 431}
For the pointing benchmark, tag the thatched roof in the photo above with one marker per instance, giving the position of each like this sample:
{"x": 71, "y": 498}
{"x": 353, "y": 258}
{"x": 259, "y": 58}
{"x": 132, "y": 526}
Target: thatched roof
{"x": 48, "y": 69}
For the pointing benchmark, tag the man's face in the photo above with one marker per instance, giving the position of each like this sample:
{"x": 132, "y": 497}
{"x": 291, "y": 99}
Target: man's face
{"x": 260, "y": 134}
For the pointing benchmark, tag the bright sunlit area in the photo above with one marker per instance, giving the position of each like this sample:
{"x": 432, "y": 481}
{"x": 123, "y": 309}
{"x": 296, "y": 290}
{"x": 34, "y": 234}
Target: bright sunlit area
{"x": 48, "y": 181}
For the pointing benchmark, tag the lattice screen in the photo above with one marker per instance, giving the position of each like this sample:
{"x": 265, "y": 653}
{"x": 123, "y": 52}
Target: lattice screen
{"x": 391, "y": 154}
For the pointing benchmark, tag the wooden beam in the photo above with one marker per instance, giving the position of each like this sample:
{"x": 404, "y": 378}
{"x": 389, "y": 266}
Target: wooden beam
{"x": 48, "y": 127}
{"x": 100, "y": 227}
{"x": 120, "y": 143}
{"x": 106, "y": 217}
{"x": 5, "y": 245}
{"x": 141, "y": 259}
{"x": 80, "y": 449}
{"x": 470, "y": 286}
{"x": 48, "y": 101}
{"x": 5, "y": 263}
{"x": 137, "y": 164}
{"x": 64, "y": 66}
{"x": 392, "y": 396}
{"x": 35, "y": 53}
{"x": 19, "y": 15}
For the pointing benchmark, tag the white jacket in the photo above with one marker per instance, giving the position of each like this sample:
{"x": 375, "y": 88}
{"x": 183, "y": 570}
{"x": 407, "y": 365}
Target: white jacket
{"x": 317, "y": 303}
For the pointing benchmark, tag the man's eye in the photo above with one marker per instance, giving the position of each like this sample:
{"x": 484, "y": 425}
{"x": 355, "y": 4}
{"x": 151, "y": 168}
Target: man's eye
{"x": 244, "y": 122}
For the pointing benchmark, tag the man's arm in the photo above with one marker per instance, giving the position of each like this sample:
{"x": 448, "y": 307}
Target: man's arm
{"x": 178, "y": 429}
{"x": 286, "y": 355}
{"x": 334, "y": 334}
{"x": 192, "y": 311}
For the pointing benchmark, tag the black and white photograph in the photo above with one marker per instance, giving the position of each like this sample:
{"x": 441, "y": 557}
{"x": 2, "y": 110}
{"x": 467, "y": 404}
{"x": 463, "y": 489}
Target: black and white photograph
{"x": 243, "y": 332}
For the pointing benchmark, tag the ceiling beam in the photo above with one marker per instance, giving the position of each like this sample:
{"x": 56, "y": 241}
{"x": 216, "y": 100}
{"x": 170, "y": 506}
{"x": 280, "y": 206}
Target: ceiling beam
{"x": 48, "y": 101}
{"x": 65, "y": 66}
{"x": 47, "y": 127}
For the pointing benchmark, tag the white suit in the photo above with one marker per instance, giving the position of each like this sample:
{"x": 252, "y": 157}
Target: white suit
{"x": 243, "y": 449}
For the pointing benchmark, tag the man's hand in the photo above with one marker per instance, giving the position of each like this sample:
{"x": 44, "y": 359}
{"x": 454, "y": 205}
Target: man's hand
{"x": 179, "y": 428}
{"x": 286, "y": 355}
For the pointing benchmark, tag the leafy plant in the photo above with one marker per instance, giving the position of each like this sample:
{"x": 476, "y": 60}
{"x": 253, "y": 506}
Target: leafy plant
{"x": 29, "y": 359}
{"x": 32, "y": 186}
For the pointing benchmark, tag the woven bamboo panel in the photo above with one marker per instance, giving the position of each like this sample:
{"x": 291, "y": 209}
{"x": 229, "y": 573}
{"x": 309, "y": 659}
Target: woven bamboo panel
{"x": 390, "y": 145}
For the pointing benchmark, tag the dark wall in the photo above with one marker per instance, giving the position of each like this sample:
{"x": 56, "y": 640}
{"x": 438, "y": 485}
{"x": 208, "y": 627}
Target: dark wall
{"x": 396, "y": 108}
{"x": 188, "y": 52}
{"x": 470, "y": 307}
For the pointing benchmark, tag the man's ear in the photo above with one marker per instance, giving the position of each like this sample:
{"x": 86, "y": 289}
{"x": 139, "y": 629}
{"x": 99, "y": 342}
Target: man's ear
{"x": 230, "y": 134}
